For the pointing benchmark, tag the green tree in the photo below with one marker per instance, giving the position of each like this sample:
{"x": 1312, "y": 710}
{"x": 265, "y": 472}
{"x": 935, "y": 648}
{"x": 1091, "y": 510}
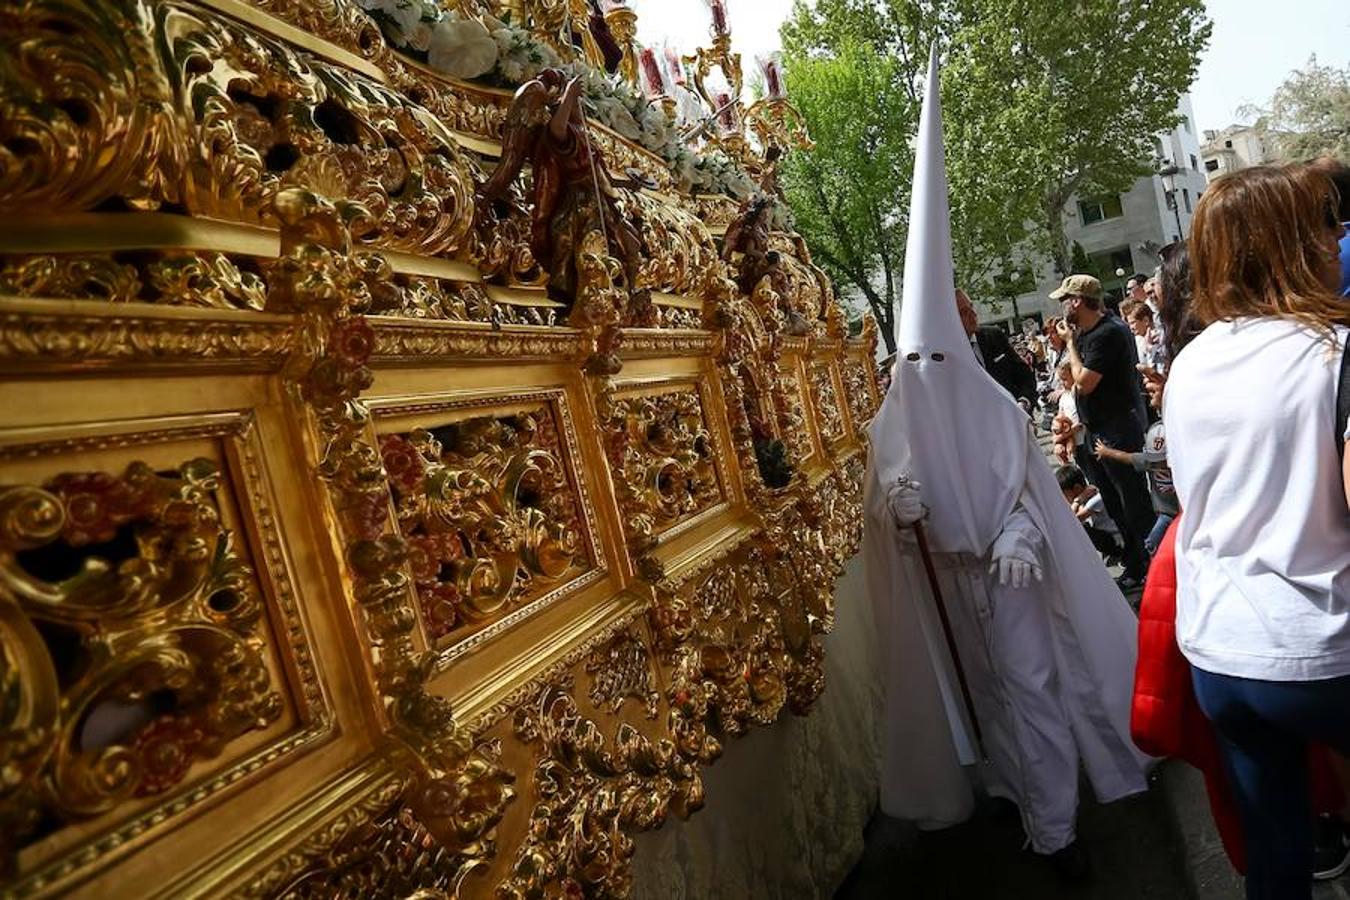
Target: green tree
{"x": 1309, "y": 115}
{"x": 1043, "y": 100}
{"x": 846, "y": 193}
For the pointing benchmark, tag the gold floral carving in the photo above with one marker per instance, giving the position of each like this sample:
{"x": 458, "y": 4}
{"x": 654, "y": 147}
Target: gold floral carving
{"x": 35, "y": 334}
{"x": 679, "y": 248}
{"x": 460, "y": 791}
{"x": 490, "y": 514}
{"x": 160, "y": 662}
{"x": 208, "y": 280}
{"x": 620, "y": 671}
{"x": 662, "y": 460}
{"x": 828, "y": 417}
{"x": 86, "y": 112}
{"x": 593, "y": 792}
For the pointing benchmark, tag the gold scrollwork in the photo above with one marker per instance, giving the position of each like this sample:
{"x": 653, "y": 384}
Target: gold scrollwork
{"x": 593, "y": 791}
{"x": 460, "y": 790}
{"x": 662, "y": 459}
{"x": 489, "y": 513}
{"x": 85, "y": 110}
{"x": 130, "y": 644}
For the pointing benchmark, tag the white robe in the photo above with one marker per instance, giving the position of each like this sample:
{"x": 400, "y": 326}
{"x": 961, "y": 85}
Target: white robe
{"x": 1050, "y": 666}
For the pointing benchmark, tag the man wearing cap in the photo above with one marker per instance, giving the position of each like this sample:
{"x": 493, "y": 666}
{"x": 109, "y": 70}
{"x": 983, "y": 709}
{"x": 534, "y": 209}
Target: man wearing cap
{"x": 1102, "y": 357}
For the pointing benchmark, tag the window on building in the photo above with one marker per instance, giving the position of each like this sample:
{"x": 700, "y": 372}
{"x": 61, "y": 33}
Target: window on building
{"x": 1194, "y": 167}
{"x": 1186, "y": 198}
{"x": 1106, "y": 262}
{"x": 1228, "y": 144}
{"x": 1158, "y": 145}
{"x": 1211, "y": 165}
{"x": 1186, "y": 123}
{"x": 1099, "y": 209}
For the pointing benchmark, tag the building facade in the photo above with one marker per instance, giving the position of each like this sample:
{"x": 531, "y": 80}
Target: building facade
{"x": 1122, "y": 233}
{"x": 1235, "y": 147}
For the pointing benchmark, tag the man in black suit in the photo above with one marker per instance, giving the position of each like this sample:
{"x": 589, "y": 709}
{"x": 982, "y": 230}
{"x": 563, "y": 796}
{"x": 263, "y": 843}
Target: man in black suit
{"x": 994, "y": 351}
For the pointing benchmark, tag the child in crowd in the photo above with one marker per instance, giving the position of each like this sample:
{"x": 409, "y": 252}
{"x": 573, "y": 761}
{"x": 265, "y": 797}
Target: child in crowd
{"x": 1151, "y": 460}
{"x": 1067, "y": 429}
{"x": 1087, "y": 505}
{"x": 1148, "y": 341}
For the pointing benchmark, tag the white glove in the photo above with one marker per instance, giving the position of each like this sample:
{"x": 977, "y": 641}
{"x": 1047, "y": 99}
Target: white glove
{"x": 905, "y": 502}
{"x": 1016, "y": 561}
{"x": 1017, "y": 572}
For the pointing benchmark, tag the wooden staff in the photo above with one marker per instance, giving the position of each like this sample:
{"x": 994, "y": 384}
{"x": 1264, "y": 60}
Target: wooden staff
{"x": 928, "y": 568}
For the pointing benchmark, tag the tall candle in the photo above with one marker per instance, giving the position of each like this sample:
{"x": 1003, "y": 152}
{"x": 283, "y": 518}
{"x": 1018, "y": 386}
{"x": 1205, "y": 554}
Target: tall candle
{"x": 719, "y": 16}
{"x": 674, "y": 66}
{"x": 726, "y": 112}
{"x": 651, "y": 72}
{"x": 773, "y": 80}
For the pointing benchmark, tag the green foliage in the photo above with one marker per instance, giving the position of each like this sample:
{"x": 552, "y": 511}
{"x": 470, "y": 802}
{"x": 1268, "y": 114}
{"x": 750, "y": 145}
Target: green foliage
{"x": 1309, "y": 115}
{"x": 847, "y": 195}
{"x": 1042, "y": 100}
{"x": 1082, "y": 264}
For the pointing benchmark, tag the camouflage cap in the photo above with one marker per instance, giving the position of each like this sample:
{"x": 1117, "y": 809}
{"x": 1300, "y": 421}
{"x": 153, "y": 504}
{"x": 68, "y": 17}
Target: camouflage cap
{"x": 1078, "y": 286}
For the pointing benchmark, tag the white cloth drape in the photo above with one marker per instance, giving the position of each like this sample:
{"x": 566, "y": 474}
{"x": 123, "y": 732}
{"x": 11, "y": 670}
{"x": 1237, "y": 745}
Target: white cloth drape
{"x": 787, "y": 803}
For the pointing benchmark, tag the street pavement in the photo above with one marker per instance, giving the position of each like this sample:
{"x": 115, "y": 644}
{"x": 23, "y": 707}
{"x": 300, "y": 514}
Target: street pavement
{"x": 1132, "y": 847}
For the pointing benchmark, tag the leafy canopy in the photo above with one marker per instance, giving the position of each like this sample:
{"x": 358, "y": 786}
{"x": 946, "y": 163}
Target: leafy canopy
{"x": 1043, "y": 100}
{"x": 1309, "y": 115}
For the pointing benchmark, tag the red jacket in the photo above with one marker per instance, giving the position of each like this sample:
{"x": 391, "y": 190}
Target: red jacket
{"x": 1165, "y": 719}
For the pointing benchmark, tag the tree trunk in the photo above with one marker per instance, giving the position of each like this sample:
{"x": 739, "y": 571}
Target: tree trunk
{"x": 883, "y": 308}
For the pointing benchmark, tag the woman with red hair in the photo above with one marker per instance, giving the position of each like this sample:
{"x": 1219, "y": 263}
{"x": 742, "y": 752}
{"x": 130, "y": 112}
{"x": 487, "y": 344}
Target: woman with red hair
{"x": 1263, "y": 546}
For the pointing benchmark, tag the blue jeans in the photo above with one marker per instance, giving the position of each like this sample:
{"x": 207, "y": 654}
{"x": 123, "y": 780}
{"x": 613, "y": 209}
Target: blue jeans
{"x": 1264, "y": 728}
{"x": 1156, "y": 535}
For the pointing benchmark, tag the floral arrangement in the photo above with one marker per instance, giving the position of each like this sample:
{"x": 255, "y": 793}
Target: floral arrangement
{"x": 499, "y": 52}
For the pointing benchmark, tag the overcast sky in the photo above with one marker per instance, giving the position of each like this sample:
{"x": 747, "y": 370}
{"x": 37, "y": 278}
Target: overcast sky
{"x": 1256, "y": 43}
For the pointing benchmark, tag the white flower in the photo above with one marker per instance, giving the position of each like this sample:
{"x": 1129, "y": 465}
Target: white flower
{"x": 420, "y": 37}
{"x": 612, "y": 114}
{"x": 403, "y": 14}
{"x": 462, "y": 49}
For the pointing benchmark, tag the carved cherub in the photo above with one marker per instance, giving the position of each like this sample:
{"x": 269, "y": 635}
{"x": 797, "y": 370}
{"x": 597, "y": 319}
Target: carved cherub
{"x": 572, "y": 191}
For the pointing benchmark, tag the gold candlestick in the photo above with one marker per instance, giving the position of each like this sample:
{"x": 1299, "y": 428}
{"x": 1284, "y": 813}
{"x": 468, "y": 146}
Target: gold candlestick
{"x": 622, "y": 23}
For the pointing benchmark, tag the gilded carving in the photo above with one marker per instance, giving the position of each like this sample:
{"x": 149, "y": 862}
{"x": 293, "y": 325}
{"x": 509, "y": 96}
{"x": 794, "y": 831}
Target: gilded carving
{"x": 828, "y": 417}
{"x": 490, "y": 515}
{"x": 662, "y": 460}
{"x": 70, "y": 278}
{"x": 32, "y": 335}
{"x": 621, "y": 671}
{"x": 131, "y": 641}
{"x": 460, "y": 791}
{"x": 85, "y": 110}
{"x": 593, "y": 791}
{"x": 271, "y": 116}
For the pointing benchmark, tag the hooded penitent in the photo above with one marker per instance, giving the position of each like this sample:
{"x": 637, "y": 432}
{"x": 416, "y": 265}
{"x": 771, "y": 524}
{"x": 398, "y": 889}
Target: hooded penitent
{"x": 947, "y": 424}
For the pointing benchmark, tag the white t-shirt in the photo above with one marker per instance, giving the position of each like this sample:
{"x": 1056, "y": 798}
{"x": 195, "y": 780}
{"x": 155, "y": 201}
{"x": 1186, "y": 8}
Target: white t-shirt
{"x": 1263, "y": 552}
{"x": 1097, "y": 516}
{"x": 1068, "y": 408}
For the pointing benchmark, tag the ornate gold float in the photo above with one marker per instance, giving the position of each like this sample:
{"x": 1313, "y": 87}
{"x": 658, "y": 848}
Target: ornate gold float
{"x": 405, "y": 487}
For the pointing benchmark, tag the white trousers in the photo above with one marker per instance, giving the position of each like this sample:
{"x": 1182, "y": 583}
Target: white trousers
{"x": 1007, "y": 649}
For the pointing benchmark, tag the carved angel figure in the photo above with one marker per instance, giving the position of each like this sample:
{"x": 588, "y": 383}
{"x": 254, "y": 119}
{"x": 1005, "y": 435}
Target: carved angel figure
{"x": 572, "y": 191}
{"x": 746, "y": 245}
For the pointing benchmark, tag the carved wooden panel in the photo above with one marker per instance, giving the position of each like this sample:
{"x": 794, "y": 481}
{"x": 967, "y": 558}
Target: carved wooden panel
{"x": 339, "y": 555}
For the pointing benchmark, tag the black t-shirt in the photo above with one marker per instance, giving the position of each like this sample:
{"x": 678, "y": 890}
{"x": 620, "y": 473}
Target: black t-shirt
{"x": 1114, "y": 407}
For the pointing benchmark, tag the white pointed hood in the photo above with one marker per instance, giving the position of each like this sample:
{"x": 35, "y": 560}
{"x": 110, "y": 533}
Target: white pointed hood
{"x": 944, "y": 421}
